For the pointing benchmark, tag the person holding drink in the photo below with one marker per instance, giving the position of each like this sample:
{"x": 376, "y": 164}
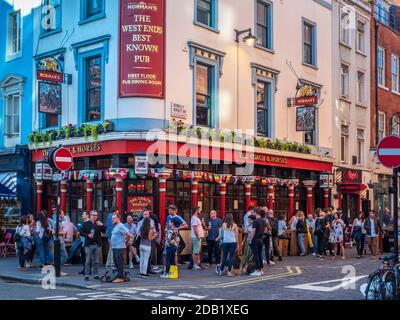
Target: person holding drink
{"x": 213, "y": 225}
{"x": 92, "y": 230}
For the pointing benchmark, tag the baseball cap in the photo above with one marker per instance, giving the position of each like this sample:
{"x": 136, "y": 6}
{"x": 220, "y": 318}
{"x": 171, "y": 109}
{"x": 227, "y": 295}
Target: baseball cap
{"x": 172, "y": 207}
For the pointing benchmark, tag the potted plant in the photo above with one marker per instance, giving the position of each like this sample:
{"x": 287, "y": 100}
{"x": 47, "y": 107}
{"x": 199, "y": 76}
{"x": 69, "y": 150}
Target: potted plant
{"x": 61, "y": 133}
{"x": 50, "y": 136}
{"x": 107, "y": 126}
{"x": 85, "y": 129}
{"x": 69, "y": 131}
{"x": 93, "y": 131}
{"x": 79, "y": 131}
{"x": 31, "y": 137}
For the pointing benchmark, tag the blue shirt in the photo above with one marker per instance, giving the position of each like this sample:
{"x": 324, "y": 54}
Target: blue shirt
{"x": 118, "y": 236}
{"x": 109, "y": 225}
{"x": 132, "y": 230}
{"x": 281, "y": 227}
{"x": 178, "y": 221}
{"x": 215, "y": 226}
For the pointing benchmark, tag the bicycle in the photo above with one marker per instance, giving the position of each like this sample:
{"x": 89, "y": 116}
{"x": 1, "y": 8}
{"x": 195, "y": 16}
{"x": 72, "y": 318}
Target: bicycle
{"x": 381, "y": 281}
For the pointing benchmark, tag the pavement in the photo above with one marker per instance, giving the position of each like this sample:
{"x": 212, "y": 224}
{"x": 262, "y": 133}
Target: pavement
{"x": 292, "y": 279}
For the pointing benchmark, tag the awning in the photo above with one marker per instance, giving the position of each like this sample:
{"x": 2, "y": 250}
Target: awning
{"x": 8, "y": 185}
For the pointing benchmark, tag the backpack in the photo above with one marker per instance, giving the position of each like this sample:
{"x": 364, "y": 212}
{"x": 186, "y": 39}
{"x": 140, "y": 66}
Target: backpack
{"x": 112, "y": 274}
{"x": 275, "y": 227}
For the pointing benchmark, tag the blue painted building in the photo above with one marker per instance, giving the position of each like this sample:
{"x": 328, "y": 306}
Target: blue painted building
{"x": 16, "y": 50}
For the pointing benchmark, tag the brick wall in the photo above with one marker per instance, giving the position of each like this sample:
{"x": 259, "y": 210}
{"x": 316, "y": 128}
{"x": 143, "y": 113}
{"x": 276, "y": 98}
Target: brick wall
{"x": 388, "y": 102}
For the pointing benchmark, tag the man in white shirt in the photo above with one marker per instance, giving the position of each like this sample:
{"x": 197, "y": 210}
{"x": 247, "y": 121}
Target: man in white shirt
{"x": 197, "y": 236}
{"x": 246, "y": 218}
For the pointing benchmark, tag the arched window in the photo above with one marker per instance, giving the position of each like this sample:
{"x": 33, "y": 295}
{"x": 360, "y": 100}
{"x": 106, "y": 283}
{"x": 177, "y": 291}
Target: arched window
{"x": 396, "y": 124}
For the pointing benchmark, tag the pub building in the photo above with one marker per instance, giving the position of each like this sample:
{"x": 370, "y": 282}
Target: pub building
{"x": 103, "y": 178}
{"x": 352, "y": 193}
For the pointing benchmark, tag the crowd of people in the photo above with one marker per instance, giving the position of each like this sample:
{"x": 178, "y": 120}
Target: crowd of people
{"x": 140, "y": 239}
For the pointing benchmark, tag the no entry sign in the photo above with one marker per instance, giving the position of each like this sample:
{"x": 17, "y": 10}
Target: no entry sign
{"x": 389, "y": 152}
{"x": 62, "y": 159}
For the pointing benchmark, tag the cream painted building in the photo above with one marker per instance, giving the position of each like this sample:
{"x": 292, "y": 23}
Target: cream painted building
{"x": 351, "y": 104}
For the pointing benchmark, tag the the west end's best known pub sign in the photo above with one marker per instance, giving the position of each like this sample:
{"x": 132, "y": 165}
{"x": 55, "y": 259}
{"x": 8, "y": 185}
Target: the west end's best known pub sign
{"x": 141, "y": 48}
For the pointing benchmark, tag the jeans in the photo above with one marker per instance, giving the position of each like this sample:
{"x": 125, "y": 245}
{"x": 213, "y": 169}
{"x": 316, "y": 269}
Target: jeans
{"x": 300, "y": 242}
{"x": 267, "y": 245}
{"x": 23, "y": 256}
{"x": 228, "y": 252}
{"x": 212, "y": 247}
{"x": 145, "y": 252}
{"x": 256, "y": 247}
{"x": 154, "y": 251}
{"x": 110, "y": 259}
{"x": 170, "y": 258}
{"x": 63, "y": 253}
{"x": 372, "y": 244}
{"x": 321, "y": 239}
{"x": 275, "y": 246}
{"x": 43, "y": 248}
{"x": 315, "y": 243}
{"x": 92, "y": 258}
{"x": 119, "y": 262}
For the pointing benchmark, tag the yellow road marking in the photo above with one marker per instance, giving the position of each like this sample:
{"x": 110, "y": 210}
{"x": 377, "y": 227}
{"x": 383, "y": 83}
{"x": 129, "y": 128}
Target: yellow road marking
{"x": 289, "y": 273}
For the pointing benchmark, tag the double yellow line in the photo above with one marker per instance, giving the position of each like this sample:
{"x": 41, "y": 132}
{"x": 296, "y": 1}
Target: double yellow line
{"x": 291, "y": 271}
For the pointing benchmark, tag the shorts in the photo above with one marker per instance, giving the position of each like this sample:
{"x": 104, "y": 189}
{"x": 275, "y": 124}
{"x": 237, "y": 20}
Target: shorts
{"x": 196, "y": 246}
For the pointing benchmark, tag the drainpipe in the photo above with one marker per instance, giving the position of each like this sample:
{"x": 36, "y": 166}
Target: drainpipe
{"x": 376, "y": 85}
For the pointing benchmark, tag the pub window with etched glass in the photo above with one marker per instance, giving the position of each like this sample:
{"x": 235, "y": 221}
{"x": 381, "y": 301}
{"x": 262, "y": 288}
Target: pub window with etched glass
{"x": 263, "y": 108}
{"x": 94, "y": 83}
{"x": 203, "y": 94}
{"x": 12, "y": 114}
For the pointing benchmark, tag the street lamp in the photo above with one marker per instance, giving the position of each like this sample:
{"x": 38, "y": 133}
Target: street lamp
{"x": 250, "y": 39}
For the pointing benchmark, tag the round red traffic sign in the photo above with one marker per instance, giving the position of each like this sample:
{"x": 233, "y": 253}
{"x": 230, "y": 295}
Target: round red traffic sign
{"x": 62, "y": 159}
{"x": 389, "y": 151}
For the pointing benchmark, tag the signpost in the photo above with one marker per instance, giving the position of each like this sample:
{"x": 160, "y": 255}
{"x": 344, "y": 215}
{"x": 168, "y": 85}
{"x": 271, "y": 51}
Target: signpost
{"x": 389, "y": 155}
{"x": 61, "y": 159}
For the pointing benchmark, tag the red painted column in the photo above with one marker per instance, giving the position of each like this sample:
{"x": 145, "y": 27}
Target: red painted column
{"x": 195, "y": 190}
{"x": 326, "y": 197}
{"x": 291, "y": 201}
{"x": 271, "y": 197}
{"x": 162, "y": 191}
{"x": 89, "y": 195}
{"x": 118, "y": 193}
{"x": 63, "y": 191}
{"x": 39, "y": 194}
{"x": 359, "y": 201}
{"x": 248, "y": 195}
{"x": 222, "y": 192}
{"x": 310, "y": 199}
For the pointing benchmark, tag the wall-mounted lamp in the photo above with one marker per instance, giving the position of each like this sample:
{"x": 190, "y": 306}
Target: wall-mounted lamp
{"x": 250, "y": 39}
